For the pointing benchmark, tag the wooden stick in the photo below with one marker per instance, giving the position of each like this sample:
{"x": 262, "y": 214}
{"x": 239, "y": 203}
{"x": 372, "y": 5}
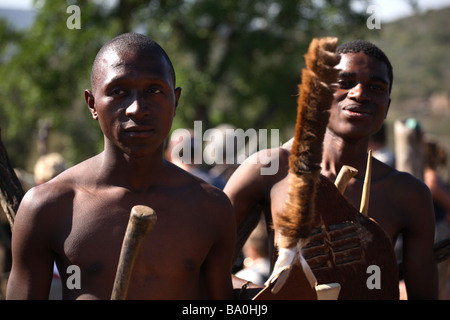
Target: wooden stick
{"x": 141, "y": 222}
{"x": 364, "y": 208}
{"x": 344, "y": 176}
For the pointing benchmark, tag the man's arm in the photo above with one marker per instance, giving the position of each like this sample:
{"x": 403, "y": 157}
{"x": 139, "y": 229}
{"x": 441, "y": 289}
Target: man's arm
{"x": 245, "y": 188}
{"x": 420, "y": 270}
{"x": 32, "y": 256}
{"x": 218, "y": 263}
{"x": 251, "y": 183}
{"x": 248, "y": 189}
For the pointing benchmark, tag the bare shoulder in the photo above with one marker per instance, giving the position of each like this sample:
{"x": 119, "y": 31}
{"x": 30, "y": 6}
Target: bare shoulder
{"x": 401, "y": 182}
{"x": 259, "y": 172}
{"x": 43, "y": 202}
{"x": 46, "y": 201}
{"x": 399, "y": 202}
{"x": 39, "y": 215}
{"x": 410, "y": 195}
{"x": 198, "y": 193}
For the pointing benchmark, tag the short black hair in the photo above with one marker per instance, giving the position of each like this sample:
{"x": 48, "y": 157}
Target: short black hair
{"x": 126, "y": 41}
{"x": 369, "y": 49}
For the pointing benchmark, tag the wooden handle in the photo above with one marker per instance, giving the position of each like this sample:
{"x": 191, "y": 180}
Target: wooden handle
{"x": 364, "y": 208}
{"x": 141, "y": 222}
{"x": 344, "y": 177}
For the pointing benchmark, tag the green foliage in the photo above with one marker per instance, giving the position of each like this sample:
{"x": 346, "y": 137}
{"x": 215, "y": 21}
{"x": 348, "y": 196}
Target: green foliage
{"x": 47, "y": 74}
{"x": 237, "y": 61}
{"x": 418, "y": 47}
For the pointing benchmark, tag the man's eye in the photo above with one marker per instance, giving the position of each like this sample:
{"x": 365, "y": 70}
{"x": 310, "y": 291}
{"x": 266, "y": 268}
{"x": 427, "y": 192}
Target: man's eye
{"x": 154, "y": 90}
{"x": 117, "y": 92}
{"x": 345, "y": 84}
{"x": 376, "y": 87}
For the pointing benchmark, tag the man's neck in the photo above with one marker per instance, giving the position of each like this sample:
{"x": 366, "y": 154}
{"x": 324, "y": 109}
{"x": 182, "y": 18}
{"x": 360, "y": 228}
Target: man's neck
{"x": 338, "y": 151}
{"x": 134, "y": 173}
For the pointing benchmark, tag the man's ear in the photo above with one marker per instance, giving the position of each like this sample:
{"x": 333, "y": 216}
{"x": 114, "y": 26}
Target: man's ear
{"x": 89, "y": 97}
{"x": 177, "y": 98}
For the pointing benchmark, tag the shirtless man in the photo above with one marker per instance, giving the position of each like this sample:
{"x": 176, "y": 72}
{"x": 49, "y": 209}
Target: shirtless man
{"x": 400, "y": 203}
{"x": 80, "y": 217}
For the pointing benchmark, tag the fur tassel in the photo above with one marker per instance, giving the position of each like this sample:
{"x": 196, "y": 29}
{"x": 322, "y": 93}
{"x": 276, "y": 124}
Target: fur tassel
{"x": 315, "y": 99}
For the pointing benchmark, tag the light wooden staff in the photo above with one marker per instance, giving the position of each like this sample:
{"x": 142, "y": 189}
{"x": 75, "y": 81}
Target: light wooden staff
{"x": 344, "y": 176}
{"x": 141, "y": 222}
{"x": 364, "y": 208}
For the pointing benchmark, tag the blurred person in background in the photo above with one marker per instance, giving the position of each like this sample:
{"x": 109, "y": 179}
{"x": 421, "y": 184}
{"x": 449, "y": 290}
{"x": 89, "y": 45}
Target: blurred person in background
{"x": 183, "y": 140}
{"x": 435, "y": 159}
{"x": 256, "y": 256}
{"x": 380, "y": 149}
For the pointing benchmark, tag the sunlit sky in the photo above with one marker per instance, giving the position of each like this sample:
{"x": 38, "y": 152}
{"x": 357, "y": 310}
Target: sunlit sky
{"x": 390, "y": 9}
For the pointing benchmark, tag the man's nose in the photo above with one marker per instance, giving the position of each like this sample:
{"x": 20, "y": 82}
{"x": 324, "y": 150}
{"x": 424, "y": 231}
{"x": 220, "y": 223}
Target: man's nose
{"x": 137, "y": 108}
{"x": 358, "y": 93}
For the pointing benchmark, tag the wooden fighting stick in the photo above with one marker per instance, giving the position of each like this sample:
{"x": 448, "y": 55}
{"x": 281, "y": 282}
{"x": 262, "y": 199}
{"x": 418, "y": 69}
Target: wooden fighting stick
{"x": 344, "y": 176}
{"x": 364, "y": 208}
{"x": 141, "y": 222}
{"x": 347, "y": 173}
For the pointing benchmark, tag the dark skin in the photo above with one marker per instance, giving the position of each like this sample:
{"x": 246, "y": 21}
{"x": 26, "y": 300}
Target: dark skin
{"x": 400, "y": 203}
{"x": 80, "y": 217}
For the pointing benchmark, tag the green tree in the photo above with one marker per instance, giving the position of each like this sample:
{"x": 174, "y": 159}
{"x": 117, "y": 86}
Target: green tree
{"x": 237, "y": 61}
{"x": 48, "y": 68}
{"x": 240, "y": 61}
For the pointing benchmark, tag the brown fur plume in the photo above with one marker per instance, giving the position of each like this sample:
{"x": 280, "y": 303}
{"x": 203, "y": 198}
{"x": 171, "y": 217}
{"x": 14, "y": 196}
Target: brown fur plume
{"x": 315, "y": 99}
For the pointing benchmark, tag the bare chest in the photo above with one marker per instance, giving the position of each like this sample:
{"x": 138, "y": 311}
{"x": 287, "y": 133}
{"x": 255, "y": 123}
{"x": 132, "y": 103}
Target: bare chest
{"x": 383, "y": 207}
{"x": 93, "y": 230}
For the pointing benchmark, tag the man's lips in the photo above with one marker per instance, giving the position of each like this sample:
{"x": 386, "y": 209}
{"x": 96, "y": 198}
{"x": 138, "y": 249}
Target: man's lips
{"x": 357, "y": 111}
{"x": 139, "y": 131}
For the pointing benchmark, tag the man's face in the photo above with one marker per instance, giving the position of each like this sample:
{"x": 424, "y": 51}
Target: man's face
{"x": 134, "y": 101}
{"x": 362, "y": 99}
